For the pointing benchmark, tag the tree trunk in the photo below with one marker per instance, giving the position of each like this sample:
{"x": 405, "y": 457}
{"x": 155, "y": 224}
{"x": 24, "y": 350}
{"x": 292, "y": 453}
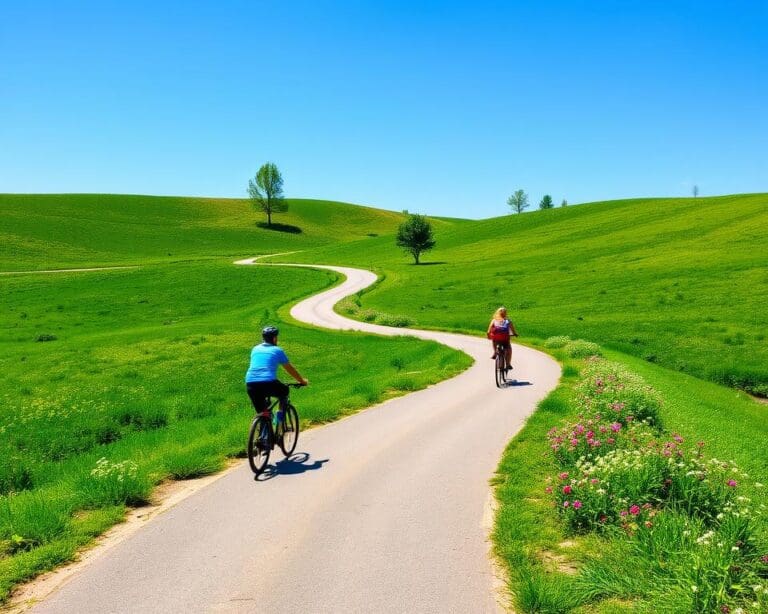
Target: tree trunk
{"x": 416, "y": 256}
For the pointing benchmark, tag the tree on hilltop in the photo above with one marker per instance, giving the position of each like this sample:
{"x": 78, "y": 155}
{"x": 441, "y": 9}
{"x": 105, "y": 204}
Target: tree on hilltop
{"x": 564, "y": 203}
{"x": 546, "y": 202}
{"x": 415, "y": 235}
{"x": 266, "y": 191}
{"x": 518, "y": 201}
{"x": 695, "y": 191}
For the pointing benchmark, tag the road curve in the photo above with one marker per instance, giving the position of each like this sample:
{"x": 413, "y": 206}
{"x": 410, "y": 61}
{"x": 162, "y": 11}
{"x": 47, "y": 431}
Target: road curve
{"x": 384, "y": 511}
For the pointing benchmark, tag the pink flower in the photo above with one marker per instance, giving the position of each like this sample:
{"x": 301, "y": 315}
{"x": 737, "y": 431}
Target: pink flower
{"x": 579, "y": 429}
{"x": 732, "y": 483}
{"x": 623, "y": 513}
{"x": 577, "y": 504}
{"x": 548, "y": 490}
{"x": 567, "y": 489}
{"x": 616, "y": 427}
{"x": 700, "y": 444}
{"x": 566, "y": 503}
{"x": 611, "y": 440}
{"x": 764, "y": 559}
{"x": 594, "y": 481}
{"x": 648, "y": 524}
{"x": 590, "y": 435}
{"x": 677, "y": 438}
{"x": 634, "y": 510}
{"x": 574, "y": 442}
{"x": 563, "y": 475}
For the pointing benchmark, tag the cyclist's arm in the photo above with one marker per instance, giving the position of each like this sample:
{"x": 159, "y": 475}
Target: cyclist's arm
{"x": 294, "y": 373}
{"x": 512, "y": 330}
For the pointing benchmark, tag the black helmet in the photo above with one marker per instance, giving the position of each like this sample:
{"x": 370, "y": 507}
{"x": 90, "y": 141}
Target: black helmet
{"x": 269, "y": 333}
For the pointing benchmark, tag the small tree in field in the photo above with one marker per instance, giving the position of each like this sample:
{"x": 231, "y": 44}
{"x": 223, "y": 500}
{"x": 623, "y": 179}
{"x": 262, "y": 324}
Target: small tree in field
{"x": 564, "y": 203}
{"x": 266, "y": 191}
{"x": 518, "y": 201}
{"x": 415, "y": 235}
{"x": 695, "y": 191}
{"x": 546, "y": 202}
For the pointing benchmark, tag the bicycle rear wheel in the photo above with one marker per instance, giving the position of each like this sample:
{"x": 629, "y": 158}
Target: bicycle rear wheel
{"x": 259, "y": 444}
{"x": 501, "y": 372}
{"x": 290, "y": 434}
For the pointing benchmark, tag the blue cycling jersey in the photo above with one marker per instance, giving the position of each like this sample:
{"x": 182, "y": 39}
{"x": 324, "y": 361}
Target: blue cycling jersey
{"x": 265, "y": 359}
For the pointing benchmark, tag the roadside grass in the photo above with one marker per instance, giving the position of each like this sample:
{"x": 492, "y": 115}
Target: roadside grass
{"x": 556, "y": 567}
{"x": 677, "y": 282}
{"x": 144, "y": 383}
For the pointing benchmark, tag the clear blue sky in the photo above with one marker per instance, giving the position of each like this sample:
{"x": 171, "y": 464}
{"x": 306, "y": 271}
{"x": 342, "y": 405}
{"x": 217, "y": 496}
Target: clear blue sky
{"x": 443, "y": 108}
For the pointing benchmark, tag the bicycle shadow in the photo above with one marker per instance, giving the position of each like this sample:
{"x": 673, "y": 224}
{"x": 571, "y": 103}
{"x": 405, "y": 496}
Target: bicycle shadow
{"x": 293, "y": 465}
{"x": 515, "y": 383}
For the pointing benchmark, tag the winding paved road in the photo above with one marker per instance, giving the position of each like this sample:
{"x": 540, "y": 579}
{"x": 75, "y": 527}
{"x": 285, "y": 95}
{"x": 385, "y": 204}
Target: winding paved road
{"x": 387, "y": 510}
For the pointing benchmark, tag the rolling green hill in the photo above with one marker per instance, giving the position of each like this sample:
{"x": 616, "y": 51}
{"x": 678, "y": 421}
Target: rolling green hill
{"x": 65, "y": 230}
{"x": 680, "y": 282}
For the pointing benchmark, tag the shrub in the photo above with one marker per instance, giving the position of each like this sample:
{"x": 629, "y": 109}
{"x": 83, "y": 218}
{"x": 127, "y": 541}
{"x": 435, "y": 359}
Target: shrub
{"x": 46, "y": 337}
{"x": 609, "y": 389}
{"x": 557, "y": 342}
{"x": 580, "y": 348}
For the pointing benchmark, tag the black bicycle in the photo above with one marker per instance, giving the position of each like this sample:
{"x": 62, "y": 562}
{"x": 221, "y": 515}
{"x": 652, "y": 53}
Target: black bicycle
{"x": 272, "y": 427}
{"x": 500, "y": 367}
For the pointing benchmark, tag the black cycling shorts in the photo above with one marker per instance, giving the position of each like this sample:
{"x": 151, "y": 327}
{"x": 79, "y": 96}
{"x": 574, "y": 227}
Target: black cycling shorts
{"x": 259, "y": 391}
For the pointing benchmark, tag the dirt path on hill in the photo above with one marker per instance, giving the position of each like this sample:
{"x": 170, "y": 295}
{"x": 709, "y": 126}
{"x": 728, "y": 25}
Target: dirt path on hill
{"x": 387, "y": 510}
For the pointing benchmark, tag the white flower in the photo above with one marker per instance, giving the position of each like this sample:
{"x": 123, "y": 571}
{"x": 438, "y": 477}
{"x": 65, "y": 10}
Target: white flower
{"x": 695, "y": 589}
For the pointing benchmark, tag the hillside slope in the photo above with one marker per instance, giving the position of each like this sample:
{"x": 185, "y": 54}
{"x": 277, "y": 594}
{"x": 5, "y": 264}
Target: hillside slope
{"x": 681, "y": 282}
{"x": 57, "y": 231}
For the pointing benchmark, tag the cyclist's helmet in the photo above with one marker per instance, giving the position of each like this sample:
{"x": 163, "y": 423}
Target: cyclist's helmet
{"x": 269, "y": 334}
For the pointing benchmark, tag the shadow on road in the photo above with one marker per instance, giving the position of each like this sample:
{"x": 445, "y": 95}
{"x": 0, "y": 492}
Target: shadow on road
{"x": 513, "y": 383}
{"x": 296, "y": 463}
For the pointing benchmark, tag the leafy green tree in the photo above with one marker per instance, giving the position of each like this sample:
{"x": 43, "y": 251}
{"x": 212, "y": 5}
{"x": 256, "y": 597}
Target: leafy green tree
{"x": 266, "y": 191}
{"x": 415, "y": 235}
{"x": 518, "y": 201}
{"x": 546, "y": 202}
{"x": 695, "y": 191}
{"x": 564, "y": 203}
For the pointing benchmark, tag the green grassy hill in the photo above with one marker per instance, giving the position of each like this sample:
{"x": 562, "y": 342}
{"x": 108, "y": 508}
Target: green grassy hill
{"x": 680, "y": 282}
{"x": 58, "y": 231}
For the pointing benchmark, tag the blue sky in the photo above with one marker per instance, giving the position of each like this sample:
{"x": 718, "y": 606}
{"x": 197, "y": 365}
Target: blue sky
{"x": 443, "y": 108}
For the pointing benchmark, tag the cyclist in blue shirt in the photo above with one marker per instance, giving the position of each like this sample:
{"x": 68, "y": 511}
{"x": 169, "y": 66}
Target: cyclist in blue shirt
{"x": 261, "y": 378}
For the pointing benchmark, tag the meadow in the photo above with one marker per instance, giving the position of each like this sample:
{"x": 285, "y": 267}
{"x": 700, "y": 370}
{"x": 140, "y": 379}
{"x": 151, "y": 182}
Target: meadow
{"x": 682, "y": 283}
{"x": 115, "y": 381}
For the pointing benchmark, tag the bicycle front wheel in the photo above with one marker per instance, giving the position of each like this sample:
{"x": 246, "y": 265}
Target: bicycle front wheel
{"x": 501, "y": 373}
{"x": 290, "y": 435}
{"x": 259, "y": 444}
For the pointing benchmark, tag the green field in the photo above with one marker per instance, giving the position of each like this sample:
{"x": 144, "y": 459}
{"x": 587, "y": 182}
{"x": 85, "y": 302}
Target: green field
{"x": 70, "y": 230}
{"x": 143, "y": 366}
{"x": 678, "y": 282}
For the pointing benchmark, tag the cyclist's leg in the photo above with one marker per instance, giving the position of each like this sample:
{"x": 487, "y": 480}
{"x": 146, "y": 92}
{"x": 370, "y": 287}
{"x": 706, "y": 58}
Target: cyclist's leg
{"x": 278, "y": 389}
{"x": 508, "y": 354}
{"x": 257, "y": 394}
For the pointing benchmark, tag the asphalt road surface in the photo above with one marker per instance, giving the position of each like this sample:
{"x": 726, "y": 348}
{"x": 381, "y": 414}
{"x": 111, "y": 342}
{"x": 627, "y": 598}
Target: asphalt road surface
{"x": 387, "y": 510}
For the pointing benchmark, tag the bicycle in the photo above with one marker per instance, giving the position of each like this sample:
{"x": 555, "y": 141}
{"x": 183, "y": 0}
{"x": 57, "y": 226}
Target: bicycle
{"x": 500, "y": 368}
{"x": 267, "y": 429}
